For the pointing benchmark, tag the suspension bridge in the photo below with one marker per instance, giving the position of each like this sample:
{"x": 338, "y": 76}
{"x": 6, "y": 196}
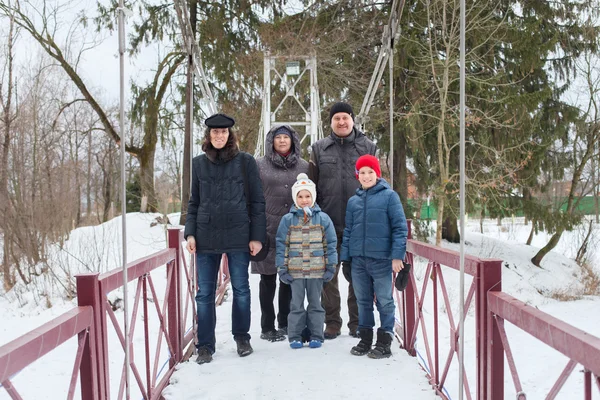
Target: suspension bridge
{"x": 115, "y": 355}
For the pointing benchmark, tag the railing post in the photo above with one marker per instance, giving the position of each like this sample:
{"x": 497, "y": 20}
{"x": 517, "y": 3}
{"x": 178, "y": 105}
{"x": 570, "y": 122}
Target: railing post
{"x": 92, "y": 375}
{"x": 174, "y": 298}
{"x": 408, "y": 297}
{"x": 490, "y": 359}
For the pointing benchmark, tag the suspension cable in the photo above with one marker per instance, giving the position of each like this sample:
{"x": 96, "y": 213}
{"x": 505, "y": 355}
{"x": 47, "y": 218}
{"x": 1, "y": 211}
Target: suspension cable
{"x": 194, "y": 50}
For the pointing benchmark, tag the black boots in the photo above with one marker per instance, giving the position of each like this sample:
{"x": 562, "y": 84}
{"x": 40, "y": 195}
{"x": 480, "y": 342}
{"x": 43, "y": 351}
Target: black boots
{"x": 366, "y": 340}
{"x": 204, "y": 355}
{"x": 243, "y": 347}
{"x": 382, "y": 347}
{"x": 272, "y": 336}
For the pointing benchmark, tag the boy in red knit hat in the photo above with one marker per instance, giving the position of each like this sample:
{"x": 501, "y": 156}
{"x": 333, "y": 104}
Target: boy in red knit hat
{"x": 374, "y": 243}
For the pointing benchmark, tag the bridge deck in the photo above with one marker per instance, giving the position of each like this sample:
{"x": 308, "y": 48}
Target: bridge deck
{"x": 275, "y": 371}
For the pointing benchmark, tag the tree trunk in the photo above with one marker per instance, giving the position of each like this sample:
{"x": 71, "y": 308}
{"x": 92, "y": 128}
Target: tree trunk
{"x": 450, "y": 230}
{"x": 400, "y": 170}
{"x": 187, "y": 143}
{"x": 88, "y": 188}
{"x": 189, "y": 120}
{"x": 481, "y": 218}
{"x": 146, "y": 159}
{"x": 530, "y": 238}
{"x": 440, "y": 220}
{"x": 537, "y": 259}
{"x": 583, "y": 248}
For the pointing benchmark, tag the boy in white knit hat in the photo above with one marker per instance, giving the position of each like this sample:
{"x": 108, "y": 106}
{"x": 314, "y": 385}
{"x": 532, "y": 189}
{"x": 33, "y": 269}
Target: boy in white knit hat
{"x": 306, "y": 257}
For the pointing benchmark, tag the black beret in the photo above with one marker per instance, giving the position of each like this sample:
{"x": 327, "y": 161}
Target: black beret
{"x": 219, "y": 121}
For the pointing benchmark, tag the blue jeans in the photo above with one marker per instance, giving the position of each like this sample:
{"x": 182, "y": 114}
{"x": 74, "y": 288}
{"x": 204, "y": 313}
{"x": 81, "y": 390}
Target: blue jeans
{"x": 207, "y": 268}
{"x": 370, "y": 277}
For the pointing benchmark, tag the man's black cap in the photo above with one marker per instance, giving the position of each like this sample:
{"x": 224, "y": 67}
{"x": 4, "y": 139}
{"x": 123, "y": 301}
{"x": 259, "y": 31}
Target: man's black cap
{"x": 341, "y": 107}
{"x": 219, "y": 121}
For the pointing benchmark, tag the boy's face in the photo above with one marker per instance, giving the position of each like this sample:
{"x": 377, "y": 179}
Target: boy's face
{"x": 367, "y": 177}
{"x": 304, "y": 199}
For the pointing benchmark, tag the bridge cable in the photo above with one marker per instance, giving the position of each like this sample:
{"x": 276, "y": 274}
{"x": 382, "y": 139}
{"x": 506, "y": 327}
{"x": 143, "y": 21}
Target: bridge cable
{"x": 390, "y": 34}
{"x": 121, "y": 22}
{"x": 194, "y": 50}
{"x": 461, "y": 312}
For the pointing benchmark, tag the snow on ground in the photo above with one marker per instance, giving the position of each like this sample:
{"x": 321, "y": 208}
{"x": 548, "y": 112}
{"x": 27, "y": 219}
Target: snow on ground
{"x": 274, "y": 370}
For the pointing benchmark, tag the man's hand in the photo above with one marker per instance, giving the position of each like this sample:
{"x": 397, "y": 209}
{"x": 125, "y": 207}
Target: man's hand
{"x": 191, "y": 244}
{"x": 254, "y": 247}
{"x": 397, "y": 265}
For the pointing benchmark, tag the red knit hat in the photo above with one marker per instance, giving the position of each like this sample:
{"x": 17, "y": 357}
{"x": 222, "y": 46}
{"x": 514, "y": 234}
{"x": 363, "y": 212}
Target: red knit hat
{"x": 368, "y": 161}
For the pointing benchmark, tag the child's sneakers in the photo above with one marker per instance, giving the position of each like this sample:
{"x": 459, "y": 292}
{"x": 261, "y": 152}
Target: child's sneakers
{"x": 296, "y": 344}
{"x": 315, "y": 344}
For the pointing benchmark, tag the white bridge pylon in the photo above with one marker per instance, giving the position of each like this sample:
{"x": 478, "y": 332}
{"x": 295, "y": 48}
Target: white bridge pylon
{"x": 291, "y": 74}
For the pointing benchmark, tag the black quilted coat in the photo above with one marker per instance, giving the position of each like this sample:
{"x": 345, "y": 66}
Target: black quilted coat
{"x": 333, "y": 169}
{"x": 218, "y": 215}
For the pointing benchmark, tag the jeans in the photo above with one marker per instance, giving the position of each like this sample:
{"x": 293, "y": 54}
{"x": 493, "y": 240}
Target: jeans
{"x": 371, "y": 277}
{"x": 266, "y": 295}
{"x": 207, "y": 268}
{"x": 313, "y": 317}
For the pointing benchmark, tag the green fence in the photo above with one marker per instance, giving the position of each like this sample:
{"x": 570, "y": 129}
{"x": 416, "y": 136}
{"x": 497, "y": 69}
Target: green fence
{"x": 586, "y": 206}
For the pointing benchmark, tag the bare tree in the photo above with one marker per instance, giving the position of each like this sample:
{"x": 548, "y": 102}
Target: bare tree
{"x": 586, "y": 136}
{"x": 7, "y": 86}
{"x": 148, "y": 102}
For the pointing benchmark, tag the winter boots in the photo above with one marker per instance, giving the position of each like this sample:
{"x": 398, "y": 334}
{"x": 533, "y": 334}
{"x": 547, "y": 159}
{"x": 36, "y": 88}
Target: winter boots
{"x": 243, "y": 347}
{"x": 272, "y": 336}
{"x": 331, "y": 333}
{"x": 382, "y": 347}
{"x": 366, "y": 340}
{"x": 204, "y": 355}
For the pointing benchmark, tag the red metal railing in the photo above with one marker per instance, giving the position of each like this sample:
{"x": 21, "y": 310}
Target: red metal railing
{"x": 95, "y": 318}
{"x": 486, "y": 275}
{"x": 23, "y": 351}
{"x": 579, "y": 346}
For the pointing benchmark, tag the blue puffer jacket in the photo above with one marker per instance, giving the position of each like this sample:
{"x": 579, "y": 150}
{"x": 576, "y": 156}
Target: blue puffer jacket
{"x": 375, "y": 224}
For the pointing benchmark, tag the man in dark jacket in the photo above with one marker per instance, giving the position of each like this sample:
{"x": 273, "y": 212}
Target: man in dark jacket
{"x": 226, "y": 214}
{"x": 331, "y": 167}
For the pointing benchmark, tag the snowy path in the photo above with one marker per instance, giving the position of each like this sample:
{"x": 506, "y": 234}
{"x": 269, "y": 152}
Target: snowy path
{"x": 274, "y": 371}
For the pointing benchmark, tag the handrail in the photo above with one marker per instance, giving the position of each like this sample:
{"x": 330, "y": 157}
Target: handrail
{"x": 574, "y": 343}
{"x": 16, "y": 355}
{"x": 579, "y": 346}
{"x": 112, "y": 280}
{"x": 23, "y": 351}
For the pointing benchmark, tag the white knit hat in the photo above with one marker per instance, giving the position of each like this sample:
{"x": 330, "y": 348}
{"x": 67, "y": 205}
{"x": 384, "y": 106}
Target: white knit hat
{"x": 303, "y": 183}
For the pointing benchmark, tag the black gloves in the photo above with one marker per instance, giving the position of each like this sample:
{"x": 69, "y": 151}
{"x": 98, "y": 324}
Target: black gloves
{"x": 347, "y": 270}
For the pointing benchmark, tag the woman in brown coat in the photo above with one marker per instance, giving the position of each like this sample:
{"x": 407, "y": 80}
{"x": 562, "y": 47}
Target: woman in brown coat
{"x": 278, "y": 170}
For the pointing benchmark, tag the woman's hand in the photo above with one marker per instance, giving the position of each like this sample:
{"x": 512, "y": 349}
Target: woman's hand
{"x": 255, "y": 247}
{"x": 191, "y": 244}
{"x": 397, "y": 265}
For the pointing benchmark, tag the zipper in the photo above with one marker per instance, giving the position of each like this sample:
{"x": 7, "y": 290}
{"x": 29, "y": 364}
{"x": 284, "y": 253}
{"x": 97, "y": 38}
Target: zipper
{"x": 365, "y": 224}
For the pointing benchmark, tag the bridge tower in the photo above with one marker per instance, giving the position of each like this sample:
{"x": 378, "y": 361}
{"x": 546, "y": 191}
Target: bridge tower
{"x": 291, "y": 82}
